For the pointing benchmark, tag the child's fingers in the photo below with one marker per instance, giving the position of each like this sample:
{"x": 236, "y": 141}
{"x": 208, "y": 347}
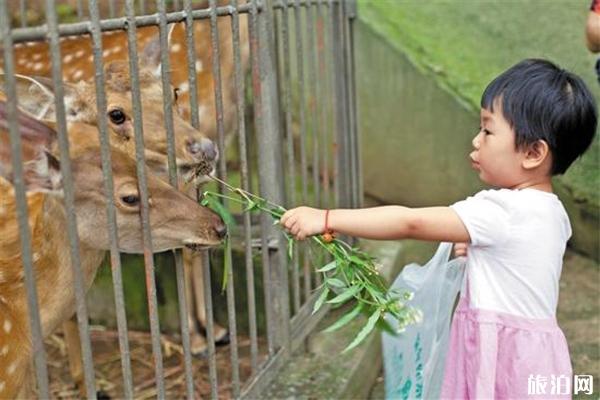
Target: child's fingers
{"x": 460, "y": 249}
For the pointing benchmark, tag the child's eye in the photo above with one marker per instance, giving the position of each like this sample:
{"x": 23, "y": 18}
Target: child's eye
{"x": 487, "y": 132}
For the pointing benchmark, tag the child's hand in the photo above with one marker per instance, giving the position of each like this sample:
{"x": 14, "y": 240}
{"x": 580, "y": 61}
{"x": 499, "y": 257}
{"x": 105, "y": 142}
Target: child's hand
{"x": 303, "y": 222}
{"x": 460, "y": 249}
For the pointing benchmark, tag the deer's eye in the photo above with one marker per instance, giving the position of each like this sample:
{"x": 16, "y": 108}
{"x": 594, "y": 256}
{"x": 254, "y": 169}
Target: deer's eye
{"x": 117, "y": 116}
{"x": 130, "y": 200}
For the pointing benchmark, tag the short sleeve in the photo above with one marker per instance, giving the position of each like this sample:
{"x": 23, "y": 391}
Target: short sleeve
{"x": 486, "y": 217}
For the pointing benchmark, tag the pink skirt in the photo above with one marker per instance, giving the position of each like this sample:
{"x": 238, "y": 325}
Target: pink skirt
{"x": 494, "y": 355}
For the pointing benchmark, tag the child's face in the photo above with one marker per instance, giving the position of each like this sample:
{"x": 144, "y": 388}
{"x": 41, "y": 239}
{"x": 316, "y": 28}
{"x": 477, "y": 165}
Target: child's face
{"x": 495, "y": 156}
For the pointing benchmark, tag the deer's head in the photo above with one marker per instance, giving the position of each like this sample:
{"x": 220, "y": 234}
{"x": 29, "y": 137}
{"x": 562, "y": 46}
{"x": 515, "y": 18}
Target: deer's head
{"x": 176, "y": 220}
{"x": 194, "y": 152}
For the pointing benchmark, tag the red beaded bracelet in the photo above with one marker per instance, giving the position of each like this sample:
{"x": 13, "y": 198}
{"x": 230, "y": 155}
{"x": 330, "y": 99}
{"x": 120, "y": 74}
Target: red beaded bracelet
{"x": 329, "y": 234}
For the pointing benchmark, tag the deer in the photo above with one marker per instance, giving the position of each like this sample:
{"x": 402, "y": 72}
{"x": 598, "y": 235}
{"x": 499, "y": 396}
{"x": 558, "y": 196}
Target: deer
{"x": 187, "y": 225}
{"x": 33, "y": 59}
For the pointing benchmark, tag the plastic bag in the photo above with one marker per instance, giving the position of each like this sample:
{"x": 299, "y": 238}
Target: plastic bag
{"x": 414, "y": 360}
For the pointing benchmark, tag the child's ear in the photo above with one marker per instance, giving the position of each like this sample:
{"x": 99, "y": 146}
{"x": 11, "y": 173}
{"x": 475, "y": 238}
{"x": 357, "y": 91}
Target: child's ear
{"x": 536, "y": 154}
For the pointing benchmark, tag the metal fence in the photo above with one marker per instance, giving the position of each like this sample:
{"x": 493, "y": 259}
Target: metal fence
{"x": 302, "y": 124}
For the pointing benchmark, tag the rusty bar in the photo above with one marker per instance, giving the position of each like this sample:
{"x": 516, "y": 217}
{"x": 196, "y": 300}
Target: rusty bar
{"x": 69, "y": 197}
{"x": 39, "y": 353}
{"x": 143, "y": 189}
{"x": 115, "y": 259}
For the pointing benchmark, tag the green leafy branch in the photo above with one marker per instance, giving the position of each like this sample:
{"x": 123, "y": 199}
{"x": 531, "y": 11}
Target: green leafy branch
{"x": 352, "y": 275}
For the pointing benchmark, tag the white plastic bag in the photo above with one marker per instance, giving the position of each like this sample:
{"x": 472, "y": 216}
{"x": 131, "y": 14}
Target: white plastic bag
{"x": 414, "y": 360}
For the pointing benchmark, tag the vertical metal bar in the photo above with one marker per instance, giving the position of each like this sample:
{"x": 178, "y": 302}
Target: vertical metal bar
{"x": 39, "y": 353}
{"x": 351, "y": 16}
{"x": 303, "y": 133}
{"x": 191, "y": 60}
{"x": 69, "y": 197}
{"x": 343, "y": 178}
{"x": 216, "y": 70}
{"x": 271, "y": 173}
{"x": 168, "y": 112}
{"x": 258, "y": 121}
{"x": 289, "y": 135}
{"x": 210, "y": 335}
{"x": 240, "y": 102}
{"x": 111, "y": 8}
{"x": 324, "y": 93}
{"x": 79, "y": 10}
{"x": 142, "y": 7}
{"x": 23, "y": 12}
{"x": 143, "y": 189}
{"x": 313, "y": 102}
{"x": 205, "y": 259}
{"x": 115, "y": 259}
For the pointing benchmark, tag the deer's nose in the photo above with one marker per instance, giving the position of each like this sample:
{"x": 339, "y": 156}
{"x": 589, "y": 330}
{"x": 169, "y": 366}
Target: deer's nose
{"x": 203, "y": 149}
{"x": 221, "y": 230}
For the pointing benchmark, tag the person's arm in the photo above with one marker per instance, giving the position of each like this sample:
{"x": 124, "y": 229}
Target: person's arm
{"x": 383, "y": 223}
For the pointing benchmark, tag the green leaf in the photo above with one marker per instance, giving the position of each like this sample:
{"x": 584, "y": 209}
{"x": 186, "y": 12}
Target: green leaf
{"x": 220, "y": 209}
{"x": 344, "y": 319}
{"x": 357, "y": 260}
{"x": 348, "y": 294}
{"x": 328, "y": 267}
{"x": 290, "y": 247}
{"x": 320, "y": 300}
{"x": 251, "y": 206}
{"x": 227, "y": 263}
{"x": 364, "y": 331}
{"x": 335, "y": 282}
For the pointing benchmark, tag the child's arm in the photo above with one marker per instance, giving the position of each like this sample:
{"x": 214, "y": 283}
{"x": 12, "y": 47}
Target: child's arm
{"x": 388, "y": 222}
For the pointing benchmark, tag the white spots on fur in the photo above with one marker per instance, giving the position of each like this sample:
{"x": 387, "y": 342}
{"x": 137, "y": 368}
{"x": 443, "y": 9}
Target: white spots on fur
{"x": 4, "y": 350}
{"x": 37, "y": 56}
{"x": 38, "y": 66}
{"x": 68, "y": 58}
{"x": 79, "y": 53}
{"x": 199, "y": 66}
{"x": 22, "y": 61}
{"x": 11, "y": 368}
{"x": 7, "y": 326}
{"x": 36, "y": 256}
{"x": 106, "y": 53}
{"x": 77, "y": 74}
{"x": 2, "y": 386}
{"x": 3, "y": 300}
{"x": 184, "y": 87}
{"x": 176, "y": 48}
{"x": 116, "y": 49}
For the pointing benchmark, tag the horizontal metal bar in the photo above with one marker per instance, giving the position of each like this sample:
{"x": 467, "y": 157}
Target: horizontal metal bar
{"x": 304, "y": 321}
{"x": 78, "y": 28}
{"x": 255, "y": 388}
{"x": 279, "y": 4}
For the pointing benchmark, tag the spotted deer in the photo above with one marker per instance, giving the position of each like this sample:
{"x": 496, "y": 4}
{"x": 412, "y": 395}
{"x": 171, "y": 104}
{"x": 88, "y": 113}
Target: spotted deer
{"x": 77, "y": 67}
{"x": 188, "y": 224}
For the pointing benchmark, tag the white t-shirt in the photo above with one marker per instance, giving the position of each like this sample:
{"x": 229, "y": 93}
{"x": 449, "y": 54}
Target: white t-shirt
{"x": 518, "y": 240}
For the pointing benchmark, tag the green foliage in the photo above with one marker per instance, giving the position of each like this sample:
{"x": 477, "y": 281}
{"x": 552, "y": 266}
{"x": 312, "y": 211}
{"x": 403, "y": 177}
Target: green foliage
{"x": 351, "y": 276}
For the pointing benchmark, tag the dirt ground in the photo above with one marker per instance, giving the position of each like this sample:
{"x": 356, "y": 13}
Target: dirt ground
{"x": 107, "y": 366}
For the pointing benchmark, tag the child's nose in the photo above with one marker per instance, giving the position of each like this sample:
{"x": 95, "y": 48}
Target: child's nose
{"x": 475, "y": 141}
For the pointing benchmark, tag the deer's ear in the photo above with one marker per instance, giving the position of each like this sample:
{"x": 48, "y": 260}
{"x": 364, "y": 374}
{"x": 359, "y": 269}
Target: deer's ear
{"x": 41, "y": 169}
{"x": 150, "y": 56}
{"x": 36, "y": 97}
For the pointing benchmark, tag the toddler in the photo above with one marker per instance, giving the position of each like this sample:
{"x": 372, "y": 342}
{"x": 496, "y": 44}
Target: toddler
{"x": 535, "y": 120}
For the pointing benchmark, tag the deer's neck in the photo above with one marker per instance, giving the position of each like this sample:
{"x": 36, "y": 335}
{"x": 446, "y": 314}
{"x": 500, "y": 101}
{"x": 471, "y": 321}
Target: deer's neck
{"x": 52, "y": 261}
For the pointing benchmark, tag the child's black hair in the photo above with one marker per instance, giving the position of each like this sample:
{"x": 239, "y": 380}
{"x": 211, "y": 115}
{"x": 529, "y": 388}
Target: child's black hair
{"x": 544, "y": 102}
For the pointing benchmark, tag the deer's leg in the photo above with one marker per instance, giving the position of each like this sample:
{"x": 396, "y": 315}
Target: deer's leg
{"x": 198, "y": 345}
{"x": 73, "y": 346}
{"x": 221, "y": 333}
